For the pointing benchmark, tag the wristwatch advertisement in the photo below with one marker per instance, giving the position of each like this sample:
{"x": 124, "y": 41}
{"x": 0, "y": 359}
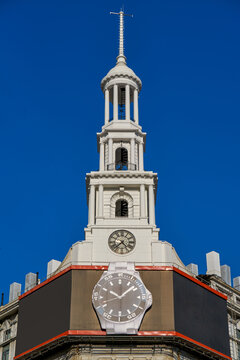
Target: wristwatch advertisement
{"x": 120, "y": 299}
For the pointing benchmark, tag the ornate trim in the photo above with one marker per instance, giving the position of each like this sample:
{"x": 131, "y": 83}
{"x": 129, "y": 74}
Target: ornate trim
{"x": 124, "y": 196}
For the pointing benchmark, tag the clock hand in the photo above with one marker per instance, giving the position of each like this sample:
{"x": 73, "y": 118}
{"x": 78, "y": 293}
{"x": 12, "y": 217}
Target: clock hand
{"x": 121, "y": 296}
{"x": 120, "y": 242}
{"x": 113, "y": 293}
{"x": 118, "y": 245}
{"x": 110, "y": 299}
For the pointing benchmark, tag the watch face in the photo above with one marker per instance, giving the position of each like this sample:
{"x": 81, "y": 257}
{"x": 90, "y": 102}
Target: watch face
{"x": 120, "y": 297}
{"x": 121, "y": 241}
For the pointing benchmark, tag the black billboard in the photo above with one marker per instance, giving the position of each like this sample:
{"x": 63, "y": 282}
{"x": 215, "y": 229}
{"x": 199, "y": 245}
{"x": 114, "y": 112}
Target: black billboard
{"x": 44, "y": 313}
{"x": 182, "y": 307}
{"x": 200, "y": 314}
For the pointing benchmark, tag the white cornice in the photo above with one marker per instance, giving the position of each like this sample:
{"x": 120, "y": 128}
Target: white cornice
{"x": 121, "y": 174}
{"x": 120, "y": 73}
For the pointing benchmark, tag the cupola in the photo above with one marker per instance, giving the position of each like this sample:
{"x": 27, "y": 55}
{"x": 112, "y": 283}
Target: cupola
{"x": 121, "y": 86}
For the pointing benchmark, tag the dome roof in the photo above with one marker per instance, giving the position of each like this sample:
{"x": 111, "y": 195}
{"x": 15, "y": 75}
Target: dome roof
{"x": 121, "y": 70}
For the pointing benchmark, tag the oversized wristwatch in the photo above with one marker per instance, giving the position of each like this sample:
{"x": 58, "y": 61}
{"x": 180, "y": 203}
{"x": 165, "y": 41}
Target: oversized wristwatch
{"x": 121, "y": 299}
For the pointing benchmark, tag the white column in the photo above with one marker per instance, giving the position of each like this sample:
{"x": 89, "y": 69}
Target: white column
{"x": 151, "y": 205}
{"x": 100, "y": 201}
{"x": 135, "y": 106}
{"x": 132, "y": 161}
{"x": 14, "y": 291}
{"x": 213, "y": 263}
{"x": 91, "y": 205}
{"x": 226, "y": 274}
{"x": 142, "y": 201}
{"x": 127, "y": 102}
{"x": 141, "y": 167}
{"x": 115, "y": 102}
{"x": 236, "y": 283}
{"x": 52, "y": 266}
{"x": 110, "y": 152}
{"x": 101, "y": 157}
{"x": 106, "y": 106}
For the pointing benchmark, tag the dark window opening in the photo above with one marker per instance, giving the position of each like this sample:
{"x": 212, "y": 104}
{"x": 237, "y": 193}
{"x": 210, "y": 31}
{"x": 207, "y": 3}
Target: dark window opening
{"x": 7, "y": 334}
{"x": 238, "y": 351}
{"x": 121, "y": 161}
{"x": 5, "y": 352}
{"x": 121, "y": 105}
{"x": 121, "y": 208}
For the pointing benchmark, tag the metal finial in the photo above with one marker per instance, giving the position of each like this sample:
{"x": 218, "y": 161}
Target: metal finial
{"x": 121, "y": 57}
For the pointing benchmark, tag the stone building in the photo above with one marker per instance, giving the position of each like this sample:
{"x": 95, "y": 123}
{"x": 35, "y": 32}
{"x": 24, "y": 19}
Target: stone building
{"x": 121, "y": 293}
{"x": 8, "y": 329}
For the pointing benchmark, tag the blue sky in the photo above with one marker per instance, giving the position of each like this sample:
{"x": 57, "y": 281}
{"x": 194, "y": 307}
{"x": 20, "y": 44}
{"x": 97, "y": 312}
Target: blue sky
{"x": 53, "y": 55}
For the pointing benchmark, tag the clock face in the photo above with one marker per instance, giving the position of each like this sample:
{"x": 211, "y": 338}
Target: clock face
{"x": 120, "y": 297}
{"x": 121, "y": 242}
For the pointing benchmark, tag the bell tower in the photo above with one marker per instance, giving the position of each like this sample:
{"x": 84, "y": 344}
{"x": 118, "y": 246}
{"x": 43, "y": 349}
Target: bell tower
{"x": 121, "y": 194}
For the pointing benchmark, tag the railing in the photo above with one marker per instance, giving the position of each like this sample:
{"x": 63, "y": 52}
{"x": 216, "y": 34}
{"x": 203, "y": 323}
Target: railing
{"x": 121, "y": 119}
{"x": 122, "y": 166}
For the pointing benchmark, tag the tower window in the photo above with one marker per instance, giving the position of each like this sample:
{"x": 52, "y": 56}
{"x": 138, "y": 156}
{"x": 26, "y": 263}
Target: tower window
{"x": 121, "y": 107}
{"x": 121, "y": 208}
{"x": 121, "y": 159}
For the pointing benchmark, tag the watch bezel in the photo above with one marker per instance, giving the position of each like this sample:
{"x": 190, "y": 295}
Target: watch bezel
{"x": 140, "y": 310}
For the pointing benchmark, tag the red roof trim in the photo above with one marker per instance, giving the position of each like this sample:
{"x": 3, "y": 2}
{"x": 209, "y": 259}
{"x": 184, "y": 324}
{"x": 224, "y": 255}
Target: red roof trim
{"x": 177, "y": 334}
{"x": 202, "y": 345}
{"x": 199, "y": 283}
{"x": 103, "y": 333}
{"x": 165, "y": 268}
{"x": 42, "y": 344}
{"x": 72, "y": 267}
{"x": 100, "y": 267}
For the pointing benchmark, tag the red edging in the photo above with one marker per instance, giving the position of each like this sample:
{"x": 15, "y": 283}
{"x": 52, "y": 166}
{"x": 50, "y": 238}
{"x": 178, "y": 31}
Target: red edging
{"x": 99, "y": 267}
{"x": 72, "y": 267}
{"x": 199, "y": 283}
{"x": 103, "y": 333}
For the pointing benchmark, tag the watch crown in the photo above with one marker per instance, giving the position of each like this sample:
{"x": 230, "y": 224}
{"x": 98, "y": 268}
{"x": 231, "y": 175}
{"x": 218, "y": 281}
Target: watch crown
{"x": 150, "y": 299}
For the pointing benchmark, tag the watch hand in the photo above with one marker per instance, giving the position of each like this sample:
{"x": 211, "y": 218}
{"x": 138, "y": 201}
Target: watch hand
{"x": 121, "y": 296}
{"x": 111, "y": 299}
{"x": 113, "y": 293}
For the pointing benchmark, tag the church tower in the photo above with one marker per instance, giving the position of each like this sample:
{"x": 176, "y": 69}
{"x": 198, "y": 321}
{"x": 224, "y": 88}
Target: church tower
{"x": 121, "y": 195}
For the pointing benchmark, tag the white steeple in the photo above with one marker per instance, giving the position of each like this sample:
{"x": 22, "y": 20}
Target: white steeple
{"x": 121, "y": 194}
{"x": 121, "y": 57}
{"x": 121, "y": 85}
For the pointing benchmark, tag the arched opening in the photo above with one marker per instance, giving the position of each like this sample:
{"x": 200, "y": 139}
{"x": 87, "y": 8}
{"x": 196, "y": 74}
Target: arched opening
{"x": 121, "y": 159}
{"x": 121, "y": 208}
{"x": 121, "y": 196}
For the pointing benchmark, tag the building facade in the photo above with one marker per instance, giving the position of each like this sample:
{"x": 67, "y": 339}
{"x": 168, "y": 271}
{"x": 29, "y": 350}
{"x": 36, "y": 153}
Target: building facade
{"x": 121, "y": 293}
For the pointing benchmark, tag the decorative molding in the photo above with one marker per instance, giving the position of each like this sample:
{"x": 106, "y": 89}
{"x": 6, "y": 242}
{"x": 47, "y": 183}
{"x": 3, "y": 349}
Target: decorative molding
{"x": 124, "y": 196}
{"x": 122, "y": 73}
{"x": 122, "y": 174}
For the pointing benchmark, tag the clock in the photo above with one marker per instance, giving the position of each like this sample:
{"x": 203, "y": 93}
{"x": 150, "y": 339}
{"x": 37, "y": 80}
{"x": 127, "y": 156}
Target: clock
{"x": 121, "y": 297}
{"x": 121, "y": 242}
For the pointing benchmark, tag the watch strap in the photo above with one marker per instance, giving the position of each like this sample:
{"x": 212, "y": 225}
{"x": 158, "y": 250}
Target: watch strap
{"x": 121, "y": 266}
{"x": 129, "y": 328}
{"x": 118, "y": 328}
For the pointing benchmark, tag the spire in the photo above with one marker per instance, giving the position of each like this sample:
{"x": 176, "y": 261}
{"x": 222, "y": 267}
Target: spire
{"x": 121, "y": 57}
